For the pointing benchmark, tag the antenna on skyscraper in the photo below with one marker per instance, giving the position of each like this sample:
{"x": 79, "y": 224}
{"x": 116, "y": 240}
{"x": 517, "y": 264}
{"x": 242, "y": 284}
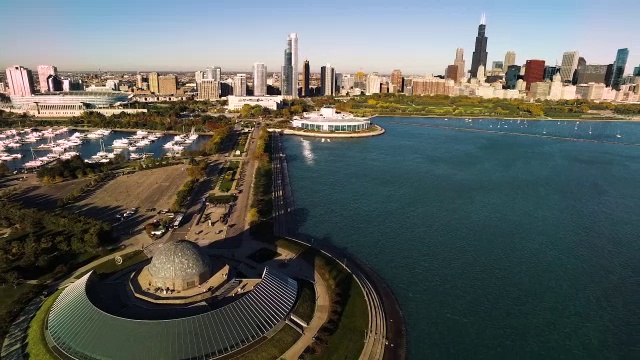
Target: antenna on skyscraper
{"x": 483, "y": 19}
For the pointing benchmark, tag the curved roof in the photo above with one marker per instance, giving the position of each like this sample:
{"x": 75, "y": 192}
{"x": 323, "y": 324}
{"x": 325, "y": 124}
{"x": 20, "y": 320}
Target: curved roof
{"x": 81, "y": 330}
{"x": 179, "y": 260}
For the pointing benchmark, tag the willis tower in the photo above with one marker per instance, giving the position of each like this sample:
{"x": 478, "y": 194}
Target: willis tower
{"x": 480, "y": 52}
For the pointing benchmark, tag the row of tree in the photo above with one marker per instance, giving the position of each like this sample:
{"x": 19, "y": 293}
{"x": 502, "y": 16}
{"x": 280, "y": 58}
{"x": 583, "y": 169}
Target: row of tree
{"x": 262, "y": 203}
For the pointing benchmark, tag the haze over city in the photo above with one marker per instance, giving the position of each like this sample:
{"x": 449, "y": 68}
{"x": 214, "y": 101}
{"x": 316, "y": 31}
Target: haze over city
{"x": 379, "y": 36}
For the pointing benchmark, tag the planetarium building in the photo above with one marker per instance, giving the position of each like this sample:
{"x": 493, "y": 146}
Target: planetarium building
{"x": 330, "y": 120}
{"x": 81, "y": 326}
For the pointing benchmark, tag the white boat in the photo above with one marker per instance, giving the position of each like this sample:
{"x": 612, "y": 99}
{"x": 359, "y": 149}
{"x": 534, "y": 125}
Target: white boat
{"x": 133, "y": 148}
{"x": 618, "y": 134}
{"x": 104, "y": 160}
{"x": 16, "y": 156}
{"x": 135, "y": 156}
{"x": 34, "y": 163}
{"x": 6, "y": 158}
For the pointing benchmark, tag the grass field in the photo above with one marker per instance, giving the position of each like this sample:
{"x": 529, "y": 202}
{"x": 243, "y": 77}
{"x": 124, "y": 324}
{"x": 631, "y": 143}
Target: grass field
{"x": 275, "y": 346}
{"x": 229, "y": 176}
{"x": 110, "y": 266}
{"x": 348, "y": 340}
{"x": 36, "y": 343}
{"x": 306, "y": 305}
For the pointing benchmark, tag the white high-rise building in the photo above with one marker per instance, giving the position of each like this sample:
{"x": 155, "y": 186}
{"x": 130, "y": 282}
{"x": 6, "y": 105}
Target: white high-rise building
{"x": 240, "y": 85}
{"x": 259, "y": 79}
{"x": 555, "y": 93}
{"x": 20, "y": 81}
{"x": 208, "y": 73}
{"x": 481, "y": 73}
{"x": 569, "y": 65}
{"x": 43, "y": 72}
{"x": 294, "y": 63}
{"x": 459, "y": 61}
{"x": 208, "y": 89}
{"x": 199, "y": 76}
{"x": 509, "y": 59}
{"x": 373, "y": 83}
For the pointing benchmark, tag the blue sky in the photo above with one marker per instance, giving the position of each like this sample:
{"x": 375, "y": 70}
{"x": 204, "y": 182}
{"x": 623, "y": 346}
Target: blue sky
{"x": 417, "y": 37}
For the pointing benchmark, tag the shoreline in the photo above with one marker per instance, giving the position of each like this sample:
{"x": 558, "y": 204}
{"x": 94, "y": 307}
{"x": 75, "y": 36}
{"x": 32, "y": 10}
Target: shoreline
{"x": 505, "y": 118}
{"x": 332, "y": 135}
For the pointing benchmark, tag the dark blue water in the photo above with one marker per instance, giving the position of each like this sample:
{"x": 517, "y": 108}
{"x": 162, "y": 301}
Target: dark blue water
{"x": 91, "y": 147}
{"x": 498, "y": 246}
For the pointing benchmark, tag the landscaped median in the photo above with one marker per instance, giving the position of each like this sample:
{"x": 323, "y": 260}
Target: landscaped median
{"x": 342, "y": 336}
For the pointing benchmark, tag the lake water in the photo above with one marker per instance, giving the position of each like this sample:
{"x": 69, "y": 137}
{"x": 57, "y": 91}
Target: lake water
{"x": 497, "y": 245}
{"x": 91, "y": 147}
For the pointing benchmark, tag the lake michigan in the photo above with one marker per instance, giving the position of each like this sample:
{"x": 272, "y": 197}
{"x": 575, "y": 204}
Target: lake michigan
{"x": 496, "y": 244}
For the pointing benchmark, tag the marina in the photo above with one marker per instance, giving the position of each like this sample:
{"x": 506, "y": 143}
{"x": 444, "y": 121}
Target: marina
{"x": 32, "y": 148}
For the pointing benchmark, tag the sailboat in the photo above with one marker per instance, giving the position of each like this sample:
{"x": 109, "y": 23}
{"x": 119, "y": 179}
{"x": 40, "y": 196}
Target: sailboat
{"x": 576, "y": 128}
{"x": 618, "y": 134}
{"x": 544, "y": 131}
{"x": 589, "y": 129}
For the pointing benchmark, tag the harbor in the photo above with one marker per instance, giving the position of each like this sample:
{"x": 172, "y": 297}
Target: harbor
{"x": 28, "y": 149}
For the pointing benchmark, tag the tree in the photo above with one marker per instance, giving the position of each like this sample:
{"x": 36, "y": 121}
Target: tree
{"x": 4, "y": 169}
{"x": 253, "y": 216}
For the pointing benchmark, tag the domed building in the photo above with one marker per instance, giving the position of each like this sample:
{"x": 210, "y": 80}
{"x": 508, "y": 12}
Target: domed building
{"x": 179, "y": 266}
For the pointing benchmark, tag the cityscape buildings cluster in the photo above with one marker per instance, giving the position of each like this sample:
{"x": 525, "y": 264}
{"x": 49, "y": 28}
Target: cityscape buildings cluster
{"x": 573, "y": 78}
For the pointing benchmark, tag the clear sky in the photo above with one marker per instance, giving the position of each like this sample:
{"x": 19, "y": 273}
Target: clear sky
{"x": 416, "y": 36}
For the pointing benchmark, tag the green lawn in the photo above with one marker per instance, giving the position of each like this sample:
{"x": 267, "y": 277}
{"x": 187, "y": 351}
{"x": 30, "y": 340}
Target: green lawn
{"x": 36, "y": 343}
{"x": 12, "y": 299}
{"x": 229, "y": 176}
{"x": 306, "y": 305}
{"x": 275, "y": 346}
{"x": 110, "y": 266}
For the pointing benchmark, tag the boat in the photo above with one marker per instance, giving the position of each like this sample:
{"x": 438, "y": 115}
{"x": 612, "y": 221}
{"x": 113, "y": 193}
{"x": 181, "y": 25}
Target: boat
{"x": 544, "y": 131}
{"x": 618, "y": 134}
{"x": 135, "y": 156}
{"x": 133, "y": 148}
{"x": 102, "y": 153}
{"x": 322, "y": 139}
{"x": 589, "y": 129}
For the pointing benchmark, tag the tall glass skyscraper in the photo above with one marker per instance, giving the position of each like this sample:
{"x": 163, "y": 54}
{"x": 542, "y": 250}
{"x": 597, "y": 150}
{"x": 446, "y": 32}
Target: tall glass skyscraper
{"x": 618, "y": 68}
{"x": 480, "y": 52}
{"x": 290, "y": 68}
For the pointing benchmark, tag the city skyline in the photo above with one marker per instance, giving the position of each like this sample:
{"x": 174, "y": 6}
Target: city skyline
{"x": 88, "y": 47}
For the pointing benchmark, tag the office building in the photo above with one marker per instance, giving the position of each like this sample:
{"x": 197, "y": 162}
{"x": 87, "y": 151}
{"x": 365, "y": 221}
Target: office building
{"x": 54, "y": 83}
{"x": 327, "y": 80}
{"x": 199, "y": 76}
{"x": 480, "y": 52}
{"x": 397, "y": 81}
{"x": 509, "y": 59}
{"x": 511, "y": 76}
{"x": 569, "y": 65}
{"x": 593, "y": 74}
{"x": 306, "y": 78}
{"x": 539, "y": 90}
{"x": 43, "y": 73}
{"x": 290, "y": 68}
{"x": 208, "y": 89}
{"x": 534, "y": 72}
{"x": 208, "y": 73}
{"x": 452, "y": 73}
{"x": 20, "y": 80}
{"x": 497, "y": 66}
{"x": 153, "y": 83}
{"x": 347, "y": 82}
{"x": 167, "y": 85}
{"x": 360, "y": 80}
{"x": 618, "y": 68}
{"x": 431, "y": 85}
{"x": 259, "y": 79}
{"x": 550, "y": 72}
{"x": 240, "y": 85}
{"x": 459, "y": 61}
{"x": 373, "y": 83}
{"x": 636, "y": 71}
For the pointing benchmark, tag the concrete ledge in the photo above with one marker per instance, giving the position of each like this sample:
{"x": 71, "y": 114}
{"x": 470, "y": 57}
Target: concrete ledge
{"x": 331, "y": 134}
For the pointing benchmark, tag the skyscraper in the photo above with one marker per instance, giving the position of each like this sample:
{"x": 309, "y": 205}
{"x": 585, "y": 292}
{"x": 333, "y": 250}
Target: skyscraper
{"x": 618, "y": 68}
{"x": 259, "y": 79}
{"x": 509, "y": 59}
{"x": 534, "y": 72}
{"x": 636, "y": 71}
{"x": 452, "y": 73}
{"x": 569, "y": 65}
{"x": 43, "y": 73}
{"x": 290, "y": 68}
{"x": 208, "y": 89}
{"x": 550, "y": 72}
{"x": 511, "y": 76}
{"x": 327, "y": 80}
{"x": 20, "y": 80}
{"x": 217, "y": 73}
{"x": 208, "y": 73}
{"x": 199, "y": 75}
{"x": 167, "y": 84}
{"x": 306, "y": 78}
{"x": 240, "y": 85}
{"x": 480, "y": 52}
{"x": 153, "y": 83}
{"x": 497, "y": 66}
{"x": 459, "y": 61}
{"x": 592, "y": 73}
{"x": 396, "y": 80}
{"x": 54, "y": 83}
